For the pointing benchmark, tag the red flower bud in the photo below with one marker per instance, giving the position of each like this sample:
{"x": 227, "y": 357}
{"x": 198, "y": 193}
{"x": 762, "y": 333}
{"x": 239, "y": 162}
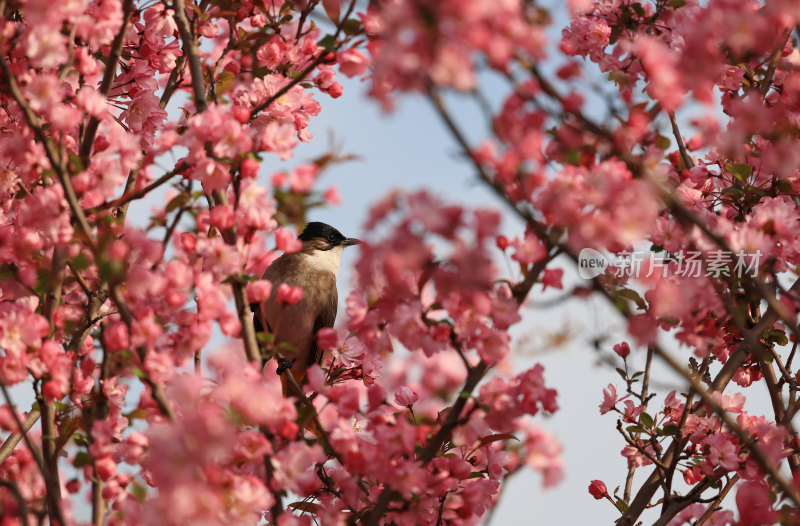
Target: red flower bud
{"x": 622, "y": 349}
{"x": 597, "y": 489}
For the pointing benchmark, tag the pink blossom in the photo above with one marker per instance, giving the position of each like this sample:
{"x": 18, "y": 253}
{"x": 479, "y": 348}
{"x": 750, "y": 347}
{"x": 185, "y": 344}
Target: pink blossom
{"x": 723, "y": 451}
{"x": 610, "y": 399}
{"x": 301, "y": 179}
{"x": 405, "y": 397}
{"x": 332, "y": 195}
{"x": 753, "y": 502}
{"x": 287, "y": 241}
{"x": 552, "y": 278}
{"x": 660, "y": 63}
{"x": 327, "y": 338}
{"x": 352, "y": 62}
{"x": 289, "y": 295}
{"x": 528, "y": 250}
{"x": 259, "y": 291}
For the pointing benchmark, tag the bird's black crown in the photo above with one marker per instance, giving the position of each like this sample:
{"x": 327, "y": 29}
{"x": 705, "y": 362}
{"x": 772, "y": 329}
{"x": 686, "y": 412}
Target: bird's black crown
{"x": 317, "y": 230}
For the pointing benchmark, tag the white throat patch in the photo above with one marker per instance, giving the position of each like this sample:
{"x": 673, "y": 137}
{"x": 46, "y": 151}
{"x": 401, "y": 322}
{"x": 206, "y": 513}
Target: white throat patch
{"x": 326, "y": 260}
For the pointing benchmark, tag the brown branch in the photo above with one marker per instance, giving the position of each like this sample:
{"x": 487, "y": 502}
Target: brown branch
{"x": 109, "y": 75}
{"x": 766, "y": 82}
{"x": 240, "y": 297}
{"x": 775, "y": 310}
{"x": 35, "y": 123}
{"x": 301, "y": 77}
{"x": 715, "y": 505}
{"x": 50, "y": 457}
{"x": 158, "y": 393}
{"x": 681, "y": 146}
{"x": 750, "y": 345}
{"x": 173, "y": 82}
{"x": 128, "y": 197}
{"x": 14, "y": 438}
{"x": 192, "y": 54}
{"x": 53, "y": 503}
{"x": 748, "y": 440}
{"x": 435, "y": 443}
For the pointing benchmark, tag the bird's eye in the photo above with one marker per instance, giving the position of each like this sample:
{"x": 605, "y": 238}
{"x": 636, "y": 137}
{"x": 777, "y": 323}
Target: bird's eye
{"x": 331, "y": 238}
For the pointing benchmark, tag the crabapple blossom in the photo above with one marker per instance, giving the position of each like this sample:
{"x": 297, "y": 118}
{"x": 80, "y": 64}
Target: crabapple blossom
{"x": 597, "y": 489}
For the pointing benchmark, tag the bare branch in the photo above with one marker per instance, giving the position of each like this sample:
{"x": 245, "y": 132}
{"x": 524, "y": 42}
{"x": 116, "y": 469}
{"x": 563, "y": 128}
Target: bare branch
{"x": 14, "y": 438}
{"x": 192, "y": 54}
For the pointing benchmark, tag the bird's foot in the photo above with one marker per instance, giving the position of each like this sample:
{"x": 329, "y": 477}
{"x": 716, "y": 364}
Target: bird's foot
{"x": 284, "y": 364}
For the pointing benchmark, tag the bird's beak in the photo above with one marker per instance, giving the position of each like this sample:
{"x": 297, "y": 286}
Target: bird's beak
{"x": 350, "y": 241}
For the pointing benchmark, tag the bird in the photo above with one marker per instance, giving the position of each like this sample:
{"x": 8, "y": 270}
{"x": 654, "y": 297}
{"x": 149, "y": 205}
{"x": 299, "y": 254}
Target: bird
{"x": 314, "y": 269}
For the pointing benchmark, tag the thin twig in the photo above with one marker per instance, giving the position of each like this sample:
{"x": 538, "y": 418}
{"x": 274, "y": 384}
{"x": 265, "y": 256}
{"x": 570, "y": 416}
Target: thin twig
{"x": 128, "y": 197}
{"x": 108, "y": 80}
{"x": 714, "y": 506}
{"x": 14, "y": 438}
{"x": 681, "y": 146}
{"x": 301, "y": 77}
{"x": 35, "y": 123}
{"x": 193, "y": 55}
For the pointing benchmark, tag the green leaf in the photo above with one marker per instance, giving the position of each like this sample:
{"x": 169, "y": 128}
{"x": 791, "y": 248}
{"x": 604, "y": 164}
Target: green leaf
{"x": 42, "y": 281}
{"x": 225, "y": 81}
{"x": 139, "y": 373}
{"x": 734, "y": 192}
{"x": 783, "y": 186}
{"x": 177, "y": 202}
{"x": 622, "y": 373}
{"x": 740, "y": 171}
{"x": 139, "y": 492}
{"x": 82, "y": 459}
{"x": 572, "y": 156}
{"x": 646, "y": 420}
{"x": 668, "y": 430}
{"x": 80, "y": 262}
{"x": 778, "y": 336}
{"x": 622, "y": 505}
{"x": 675, "y": 4}
{"x": 75, "y": 164}
{"x": 638, "y": 9}
{"x": 496, "y": 438}
{"x": 632, "y": 295}
{"x": 141, "y": 414}
{"x": 634, "y": 429}
{"x": 328, "y": 42}
{"x": 351, "y": 26}
{"x": 265, "y": 337}
{"x": 662, "y": 142}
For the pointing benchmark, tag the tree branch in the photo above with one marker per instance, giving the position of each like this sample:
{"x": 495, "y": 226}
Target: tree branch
{"x": 14, "y": 438}
{"x": 109, "y": 75}
{"x": 192, "y": 54}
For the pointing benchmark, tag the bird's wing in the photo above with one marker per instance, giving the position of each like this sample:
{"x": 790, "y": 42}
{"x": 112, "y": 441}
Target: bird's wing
{"x": 325, "y": 318}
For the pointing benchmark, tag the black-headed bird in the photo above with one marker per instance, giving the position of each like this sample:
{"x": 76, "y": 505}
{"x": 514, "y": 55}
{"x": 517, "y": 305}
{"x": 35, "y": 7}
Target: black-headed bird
{"x": 314, "y": 269}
